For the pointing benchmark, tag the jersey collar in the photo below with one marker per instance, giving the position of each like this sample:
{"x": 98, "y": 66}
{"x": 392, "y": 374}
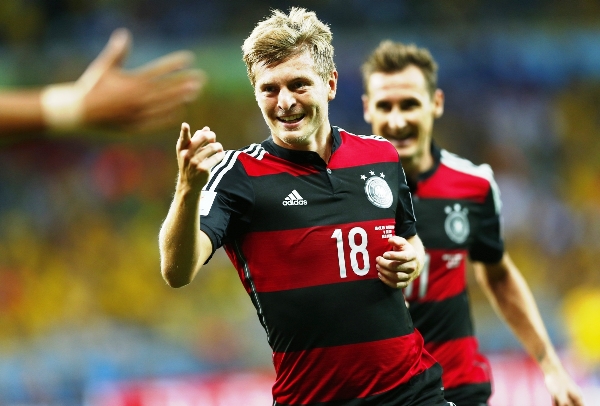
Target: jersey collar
{"x": 301, "y": 157}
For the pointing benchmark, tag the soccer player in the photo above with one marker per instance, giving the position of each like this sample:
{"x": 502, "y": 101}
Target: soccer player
{"x": 149, "y": 98}
{"x": 319, "y": 225}
{"x": 457, "y": 206}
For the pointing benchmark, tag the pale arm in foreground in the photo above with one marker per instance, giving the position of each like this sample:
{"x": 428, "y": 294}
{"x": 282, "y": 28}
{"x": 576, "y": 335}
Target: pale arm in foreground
{"x": 512, "y": 299}
{"x": 402, "y": 265}
{"x": 183, "y": 246}
{"x": 106, "y": 96}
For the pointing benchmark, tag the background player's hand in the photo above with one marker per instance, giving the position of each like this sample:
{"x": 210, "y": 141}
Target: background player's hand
{"x": 196, "y": 156}
{"x": 145, "y": 99}
{"x": 397, "y": 268}
{"x": 563, "y": 390}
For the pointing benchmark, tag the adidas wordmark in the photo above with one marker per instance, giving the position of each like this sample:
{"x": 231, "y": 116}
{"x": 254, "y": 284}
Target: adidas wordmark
{"x": 294, "y": 199}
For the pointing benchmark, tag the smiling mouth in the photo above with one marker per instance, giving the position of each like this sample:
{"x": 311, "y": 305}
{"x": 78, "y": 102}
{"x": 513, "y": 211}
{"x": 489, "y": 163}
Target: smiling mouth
{"x": 291, "y": 119}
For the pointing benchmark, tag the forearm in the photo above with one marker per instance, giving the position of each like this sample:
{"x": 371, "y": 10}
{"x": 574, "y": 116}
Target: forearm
{"x": 511, "y": 297}
{"x": 20, "y": 111}
{"x": 180, "y": 245}
{"x": 416, "y": 242}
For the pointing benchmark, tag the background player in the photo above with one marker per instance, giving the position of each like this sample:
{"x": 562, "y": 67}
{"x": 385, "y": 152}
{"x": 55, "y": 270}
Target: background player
{"x": 149, "y": 98}
{"x": 457, "y": 206}
{"x": 303, "y": 216}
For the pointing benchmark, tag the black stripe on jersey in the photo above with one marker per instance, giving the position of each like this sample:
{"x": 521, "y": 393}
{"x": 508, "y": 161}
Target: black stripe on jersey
{"x": 437, "y": 321}
{"x": 469, "y": 394}
{"x": 334, "y": 314}
{"x": 325, "y": 198}
{"x": 423, "y": 389}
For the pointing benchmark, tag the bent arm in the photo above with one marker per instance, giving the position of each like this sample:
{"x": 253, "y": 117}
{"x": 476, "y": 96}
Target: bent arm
{"x": 512, "y": 299}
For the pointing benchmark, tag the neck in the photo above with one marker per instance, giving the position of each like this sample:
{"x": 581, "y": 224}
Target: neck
{"x": 414, "y": 166}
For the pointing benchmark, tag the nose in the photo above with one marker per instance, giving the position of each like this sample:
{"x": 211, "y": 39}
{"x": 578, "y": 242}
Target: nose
{"x": 286, "y": 99}
{"x": 396, "y": 120}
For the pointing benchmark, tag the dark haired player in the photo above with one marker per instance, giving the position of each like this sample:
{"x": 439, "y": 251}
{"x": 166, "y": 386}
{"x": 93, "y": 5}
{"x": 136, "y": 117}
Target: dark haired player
{"x": 457, "y": 205}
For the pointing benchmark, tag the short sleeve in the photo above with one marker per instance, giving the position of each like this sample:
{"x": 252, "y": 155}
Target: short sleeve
{"x": 225, "y": 200}
{"x": 488, "y": 244}
{"x": 405, "y": 215}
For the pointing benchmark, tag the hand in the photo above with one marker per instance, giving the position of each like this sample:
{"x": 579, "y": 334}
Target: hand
{"x": 196, "y": 156}
{"x": 563, "y": 390}
{"x": 399, "y": 267}
{"x": 146, "y": 99}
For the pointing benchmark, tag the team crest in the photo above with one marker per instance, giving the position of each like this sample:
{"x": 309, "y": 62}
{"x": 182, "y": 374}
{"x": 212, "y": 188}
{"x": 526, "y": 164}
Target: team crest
{"x": 378, "y": 191}
{"x": 457, "y": 223}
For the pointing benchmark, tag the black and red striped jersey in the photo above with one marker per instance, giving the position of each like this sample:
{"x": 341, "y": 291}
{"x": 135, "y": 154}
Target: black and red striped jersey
{"x": 303, "y": 236}
{"x": 457, "y": 205}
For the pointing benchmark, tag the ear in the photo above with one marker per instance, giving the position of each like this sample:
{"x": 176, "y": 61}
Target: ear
{"x": 438, "y": 103}
{"x": 366, "y": 114}
{"x": 332, "y": 83}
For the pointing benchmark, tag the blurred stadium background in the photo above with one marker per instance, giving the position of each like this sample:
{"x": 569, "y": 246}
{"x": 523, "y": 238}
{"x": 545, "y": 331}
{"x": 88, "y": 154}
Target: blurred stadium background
{"x": 85, "y": 318}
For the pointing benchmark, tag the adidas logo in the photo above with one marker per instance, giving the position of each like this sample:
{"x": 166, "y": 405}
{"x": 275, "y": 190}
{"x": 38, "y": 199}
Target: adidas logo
{"x": 294, "y": 199}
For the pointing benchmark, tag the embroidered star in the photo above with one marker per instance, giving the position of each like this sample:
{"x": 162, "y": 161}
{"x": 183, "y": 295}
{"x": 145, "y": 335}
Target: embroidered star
{"x": 363, "y": 177}
{"x": 372, "y": 173}
{"x": 382, "y": 175}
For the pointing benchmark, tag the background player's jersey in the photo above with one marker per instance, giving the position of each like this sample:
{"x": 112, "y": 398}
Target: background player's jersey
{"x": 457, "y": 207}
{"x": 307, "y": 259}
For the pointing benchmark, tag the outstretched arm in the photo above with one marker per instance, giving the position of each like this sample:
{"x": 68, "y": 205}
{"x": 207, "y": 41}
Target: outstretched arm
{"x": 399, "y": 267}
{"x": 183, "y": 246}
{"x": 106, "y": 96}
{"x": 512, "y": 299}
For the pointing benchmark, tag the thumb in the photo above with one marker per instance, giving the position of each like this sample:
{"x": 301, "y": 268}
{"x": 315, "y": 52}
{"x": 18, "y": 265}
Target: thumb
{"x": 113, "y": 55}
{"x": 397, "y": 242}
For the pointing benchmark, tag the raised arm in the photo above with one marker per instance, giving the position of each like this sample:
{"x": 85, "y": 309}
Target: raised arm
{"x": 184, "y": 248}
{"x": 106, "y": 96}
{"x": 512, "y": 299}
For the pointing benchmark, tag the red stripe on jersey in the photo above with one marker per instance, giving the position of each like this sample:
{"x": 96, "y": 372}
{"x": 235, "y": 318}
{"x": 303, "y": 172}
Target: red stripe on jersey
{"x": 447, "y": 183}
{"x": 461, "y": 362}
{"x": 272, "y": 165}
{"x": 305, "y": 379}
{"x": 443, "y": 278}
{"x": 359, "y": 151}
{"x": 272, "y": 271}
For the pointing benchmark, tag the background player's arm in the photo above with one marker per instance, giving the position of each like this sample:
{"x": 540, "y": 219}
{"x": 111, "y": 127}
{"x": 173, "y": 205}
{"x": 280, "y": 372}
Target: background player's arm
{"x": 512, "y": 299}
{"x": 399, "y": 267}
{"x": 106, "y": 96}
{"x": 184, "y": 248}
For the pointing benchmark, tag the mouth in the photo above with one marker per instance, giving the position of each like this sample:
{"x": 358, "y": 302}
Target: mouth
{"x": 401, "y": 139}
{"x": 292, "y": 119}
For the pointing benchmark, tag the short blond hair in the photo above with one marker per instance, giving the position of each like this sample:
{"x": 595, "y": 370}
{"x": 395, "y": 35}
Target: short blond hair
{"x": 281, "y": 36}
{"x": 391, "y": 57}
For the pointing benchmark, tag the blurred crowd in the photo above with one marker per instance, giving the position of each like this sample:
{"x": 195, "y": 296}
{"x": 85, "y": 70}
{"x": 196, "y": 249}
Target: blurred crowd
{"x": 81, "y": 297}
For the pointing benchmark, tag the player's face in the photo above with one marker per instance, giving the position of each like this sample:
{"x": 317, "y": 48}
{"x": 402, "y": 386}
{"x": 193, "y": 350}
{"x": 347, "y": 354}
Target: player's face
{"x": 399, "y": 107}
{"x": 294, "y": 101}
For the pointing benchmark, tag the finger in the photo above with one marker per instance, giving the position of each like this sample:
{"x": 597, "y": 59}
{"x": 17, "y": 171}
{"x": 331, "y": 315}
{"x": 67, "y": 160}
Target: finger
{"x": 203, "y": 137}
{"x": 113, "y": 55}
{"x": 397, "y": 242}
{"x": 184, "y": 137}
{"x": 176, "y": 89}
{"x": 167, "y": 64}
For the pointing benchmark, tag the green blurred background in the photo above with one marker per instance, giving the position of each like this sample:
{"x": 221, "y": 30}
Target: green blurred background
{"x": 81, "y": 297}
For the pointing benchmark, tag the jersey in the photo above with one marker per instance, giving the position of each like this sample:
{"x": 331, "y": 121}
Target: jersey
{"x": 457, "y": 205}
{"x": 303, "y": 236}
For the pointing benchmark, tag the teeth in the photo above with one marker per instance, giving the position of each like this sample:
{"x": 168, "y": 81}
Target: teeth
{"x": 291, "y": 118}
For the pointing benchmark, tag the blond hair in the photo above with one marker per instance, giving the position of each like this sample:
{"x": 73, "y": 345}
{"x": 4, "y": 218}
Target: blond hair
{"x": 281, "y": 36}
{"x": 390, "y": 57}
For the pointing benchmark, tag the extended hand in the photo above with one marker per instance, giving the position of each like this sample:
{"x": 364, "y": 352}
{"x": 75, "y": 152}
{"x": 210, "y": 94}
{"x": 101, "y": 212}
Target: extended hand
{"x": 145, "y": 99}
{"x": 397, "y": 268}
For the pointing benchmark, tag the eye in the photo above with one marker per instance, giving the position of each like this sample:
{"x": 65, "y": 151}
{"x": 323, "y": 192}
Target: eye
{"x": 298, "y": 85}
{"x": 383, "y": 106}
{"x": 410, "y": 104}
